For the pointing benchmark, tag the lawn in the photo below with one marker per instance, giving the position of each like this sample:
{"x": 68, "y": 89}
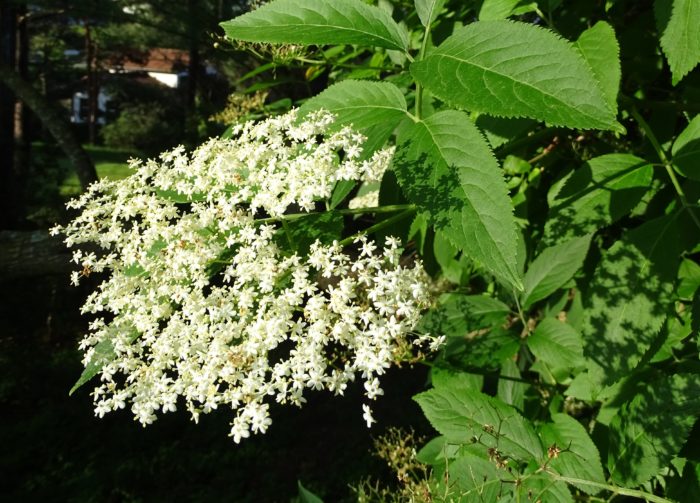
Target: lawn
{"x": 109, "y": 162}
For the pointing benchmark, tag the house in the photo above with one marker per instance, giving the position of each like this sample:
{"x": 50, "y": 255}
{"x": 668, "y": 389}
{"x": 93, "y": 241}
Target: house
{"x": 167, "y": 66}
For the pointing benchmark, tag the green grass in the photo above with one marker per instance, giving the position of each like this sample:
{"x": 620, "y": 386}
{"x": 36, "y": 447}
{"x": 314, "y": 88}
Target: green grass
{"x": 109, "y": 162}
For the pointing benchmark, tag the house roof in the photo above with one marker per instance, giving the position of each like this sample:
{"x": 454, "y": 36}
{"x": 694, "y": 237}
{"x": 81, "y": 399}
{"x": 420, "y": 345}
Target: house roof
{"x": 159, "y": 59}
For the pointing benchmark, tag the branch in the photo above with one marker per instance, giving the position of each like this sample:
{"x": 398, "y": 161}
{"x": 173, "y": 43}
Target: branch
{"x": 51, "y": 118}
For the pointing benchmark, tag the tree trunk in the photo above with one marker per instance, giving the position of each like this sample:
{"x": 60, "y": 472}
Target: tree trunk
{"x": 22, "y": 142}
{"x": 192, "y": 71}
{"x": 52, "y": 119}
{"x": 93, "y": 87}
{"x": 8, "y": 196}
{"x": 25, "y": 254}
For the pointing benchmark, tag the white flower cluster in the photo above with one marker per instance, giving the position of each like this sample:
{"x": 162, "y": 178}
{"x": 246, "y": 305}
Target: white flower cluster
{"x": 201, "y": 305}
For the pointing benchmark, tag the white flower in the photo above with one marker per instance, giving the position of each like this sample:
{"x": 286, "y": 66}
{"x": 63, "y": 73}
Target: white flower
{"x": 198, "y": 293}
{"x": 367, "y": 415}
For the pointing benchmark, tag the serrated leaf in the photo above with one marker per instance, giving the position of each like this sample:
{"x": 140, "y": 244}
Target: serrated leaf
{"x": 104, "y": 354}
{"x": 678, "y": 22}
{"x": 318, "y": 22}
{"x": 629, "y": 297}
{"x": 497, "y": 9}
{"x": 511, "y": 391}
{"x": 650, "y": 430}
{"x": 579, "y": 457}
{"x": 483, "y": 349}
{"x": 360, "y": 104}
{"x": 439, "y": 451}
{"x": 428, "y": 10}
{"x": 542, "y": 488}
{"x": 457, "y": 314}
{"x": 472, "y": 479}
{"x": 687, "y": 486}
{"x": 342, "y": 189}
{"x": 306, "y": 496}
{"x": 299, "y": 234}
{"x": 557, "y": 344}
{"x": 446, "y": 168}
{"x": 553, "y": 268}
{"x": 462, "y": 414}
{"x": 686, "y": 150}
{"x": 511, "y": 69}
{"x": 599, "y": 193}
{"x": 445, "y": 378}
{"x": 600, "y": 50}
{"x": 689, "y": 276}
{"x": 501, "y": 130}
{"x": 675, "y": 330}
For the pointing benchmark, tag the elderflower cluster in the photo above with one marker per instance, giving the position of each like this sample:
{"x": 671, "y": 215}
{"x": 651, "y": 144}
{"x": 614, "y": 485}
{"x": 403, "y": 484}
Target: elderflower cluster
{"x": 203, "y": 306}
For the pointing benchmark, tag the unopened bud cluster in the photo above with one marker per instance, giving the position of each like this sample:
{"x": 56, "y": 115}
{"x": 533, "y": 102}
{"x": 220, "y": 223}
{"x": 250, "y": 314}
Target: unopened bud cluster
{"x": 202, "y": 306}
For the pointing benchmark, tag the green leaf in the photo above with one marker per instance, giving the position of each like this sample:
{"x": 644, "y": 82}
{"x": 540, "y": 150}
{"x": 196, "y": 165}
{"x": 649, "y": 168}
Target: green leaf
{"x": 650, "y": 430}
{"x": 599, "y": 193}
{"x": 497, "y": 9}
{"x": 342, "y": 189}
{"x": 542, "y": 488}
{"x": 428, "y": 10}
{"x": 600, "y": 50}
{"x": 511, "y": 69}
{"x": 689, "y": 275}
{"x": 462, "y": 414}
{"x": 678, "y": 22}
{"x": 360, "y": 104}
{"x": 686, "y": 150}
{"x": 177, "y": 197}
{"x": 445, "y": 378}
{"x": 446, "y": 168}
{"x": 687, "y": 486}
{"x": 510, "y": 391}
{"x": 579, "y": 457}
{"x": 558, "y": 345}
{"x": 318, "y": 22}
{"x": 299, "y": 234}
{"x": 501, "y": 130}
{"x": 306, "y": 496}
{"x": 458, "y": 314}
{"x": 629, "y": 297}
{"x": 472, "y": 479}
{"x": 553, "y": 268}
{"x": 104, "y": 354}
{"x": 676, "y": 329}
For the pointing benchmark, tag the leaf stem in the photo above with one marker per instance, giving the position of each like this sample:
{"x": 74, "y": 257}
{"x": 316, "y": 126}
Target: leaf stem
{"x": 521, "y": 315}
{"x": 666, "y": 162}
{"x": 419, "y": 87}
{"x": 378, "y": 226}
{"x": 622, "y": 491}
{"x": 391, "y": 208}
{"x": 523, "y": 141}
